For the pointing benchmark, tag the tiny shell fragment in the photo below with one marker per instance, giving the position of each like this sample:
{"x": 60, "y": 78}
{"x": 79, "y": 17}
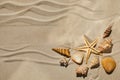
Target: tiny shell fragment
{"x": 64, "y": 62}
{"x": 108, "y": 64}
{"x": 77, "y": 57}
{"x": 63, "y": 51}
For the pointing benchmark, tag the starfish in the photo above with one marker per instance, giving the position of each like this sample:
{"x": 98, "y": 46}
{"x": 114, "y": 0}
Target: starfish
{"x": 89, "y": 48}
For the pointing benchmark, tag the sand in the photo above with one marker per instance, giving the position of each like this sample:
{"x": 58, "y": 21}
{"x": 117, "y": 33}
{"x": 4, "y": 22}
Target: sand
{"x": 29, "y": 29}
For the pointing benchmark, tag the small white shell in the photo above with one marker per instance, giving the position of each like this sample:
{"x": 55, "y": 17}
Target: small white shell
{"x": 77, "y": 57}
{"x": 82, "y": 70}
{"x": 94, "y": 62}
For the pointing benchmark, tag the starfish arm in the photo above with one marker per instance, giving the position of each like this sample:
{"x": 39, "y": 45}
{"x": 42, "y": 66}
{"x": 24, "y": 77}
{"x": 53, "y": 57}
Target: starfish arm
{"x": 94, "y": 43}
{"x": 95, "y": 51}
{"x": 84, "y": 48}
{"x": 86, "y": 41}
{"x": 88, "y": 55}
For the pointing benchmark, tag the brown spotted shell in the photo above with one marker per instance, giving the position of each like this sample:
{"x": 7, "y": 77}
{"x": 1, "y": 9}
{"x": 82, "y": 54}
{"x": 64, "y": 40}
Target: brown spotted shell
{"x": 63, "y": 51}
{"x": 108, "y": 64}
{"x": 105, "y": 45}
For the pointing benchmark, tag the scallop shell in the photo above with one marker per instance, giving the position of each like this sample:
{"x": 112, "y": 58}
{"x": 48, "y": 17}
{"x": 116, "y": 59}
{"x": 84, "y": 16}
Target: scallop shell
{"x": 63, "y": 51}
{"x": 82, "y": 70}
{"x": 107, "y": 31}
{"x": 94, "y": 62}
{"x": 105, "y": 45}
{"x": 108, "y": 64}
{"x": 77, "y": 57}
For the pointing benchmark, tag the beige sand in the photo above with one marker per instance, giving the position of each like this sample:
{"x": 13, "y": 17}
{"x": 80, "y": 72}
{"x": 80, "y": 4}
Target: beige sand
{"x": 30, "y": 28}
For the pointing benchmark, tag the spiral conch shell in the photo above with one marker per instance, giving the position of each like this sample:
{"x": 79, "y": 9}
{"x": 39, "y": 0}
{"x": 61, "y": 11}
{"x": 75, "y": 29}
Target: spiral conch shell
{"x": 107, "y": 31}
{"x": 82, "y": 71}
{"x": 77, "y": 57}
{"x": 105, "y": 45}
{"x": 108, "y": 64}
{"x": 63, "y": 51}
{"x": 94, "y": 62}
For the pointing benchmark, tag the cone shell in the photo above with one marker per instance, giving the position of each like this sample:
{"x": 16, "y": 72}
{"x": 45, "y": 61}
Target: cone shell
{"x": 105, "y": 45}
{"x": 107, "y": 32}
{"x": 94, "y": 62}
{"x": 108, "y": 64}
{"x": 77, "y": 57}
{"x": 82, "y": 70}
{"x": 63, "y": 51}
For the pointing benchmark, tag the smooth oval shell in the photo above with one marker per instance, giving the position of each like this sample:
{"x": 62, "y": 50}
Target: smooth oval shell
{"x": 108, "y": 64}
{"x": 63, "y": 51}
{"x": 77, "y": 57}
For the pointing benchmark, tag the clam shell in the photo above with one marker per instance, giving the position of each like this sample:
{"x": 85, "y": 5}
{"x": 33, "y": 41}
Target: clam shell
{"x": 105, "y": 45}
{"x": 77, "y": 57}
{"x": 82, "y": 70}
{"x": 108, "y": 64}
{"x": 94, "y": 62}
{"x": 63, "y": 51}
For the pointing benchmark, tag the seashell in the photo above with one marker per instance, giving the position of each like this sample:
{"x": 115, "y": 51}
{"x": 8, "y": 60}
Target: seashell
{"x": 94, "y": 62}
{"x": 64, "y": 62}
{"x": 108, "y": 64}
{"x": 82, "y": 71}
{"x": 77, "y": 57}
{"x": 105, "y": 45}
{"x": 63, "y": 51}
{"x": 107, "y": 31}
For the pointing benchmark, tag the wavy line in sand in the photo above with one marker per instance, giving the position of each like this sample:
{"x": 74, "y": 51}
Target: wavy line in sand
{"x": 36, "y": 10}
{"x": 32, "y": 20}
{"x": 37, "y": 2}
{"x": 28, "y": 52}
{"x": 12, "y": 50}
{"x": 97, "y": 19}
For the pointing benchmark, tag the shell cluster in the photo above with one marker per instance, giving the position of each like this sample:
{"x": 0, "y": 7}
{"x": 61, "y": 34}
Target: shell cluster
{"x": 104, "y": 46}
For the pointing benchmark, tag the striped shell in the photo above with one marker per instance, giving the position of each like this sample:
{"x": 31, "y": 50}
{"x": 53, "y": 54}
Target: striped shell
{"x": 107, "y": 32}
{"x": 105, "y": 45}
{"x": 94, "y": 62}
{"x": 82, "y": 71}
{"x": 63, "y": 51}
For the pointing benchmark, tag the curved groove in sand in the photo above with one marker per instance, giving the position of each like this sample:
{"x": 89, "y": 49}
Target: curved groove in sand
{"x": 32, "y": 20}
{"x": 28, "y": 52}
{"x": 36, "y": 10}
{"x": 93, "y": 19}
{"x": 12, "y": 50}
{"x": 36, "y": 3}
{"x": 19, "y": 59}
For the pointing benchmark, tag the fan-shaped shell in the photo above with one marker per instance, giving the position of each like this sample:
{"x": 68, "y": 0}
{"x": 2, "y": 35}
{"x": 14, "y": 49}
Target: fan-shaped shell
{"x": 108, "y": 64}
{"x": 77, "y": 57}
{"x": 82, "y": 70}
{"x": 94, "y": 62}
{"x": 63, "y": 51}
{"x": 105, "y": 45}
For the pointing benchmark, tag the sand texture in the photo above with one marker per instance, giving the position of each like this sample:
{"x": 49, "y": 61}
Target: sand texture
{"x": 29, "y": 29}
